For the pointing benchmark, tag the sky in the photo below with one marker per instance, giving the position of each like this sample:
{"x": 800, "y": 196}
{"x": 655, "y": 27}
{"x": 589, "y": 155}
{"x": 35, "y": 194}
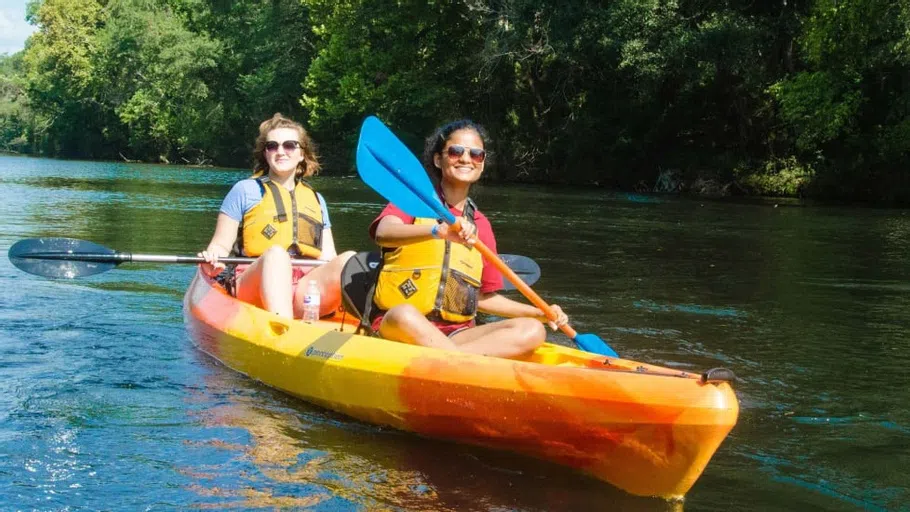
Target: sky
{"x": 14, "y": 30}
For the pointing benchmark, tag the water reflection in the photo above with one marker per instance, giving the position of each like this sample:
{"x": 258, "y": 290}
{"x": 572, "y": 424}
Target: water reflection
{"x": 304, "y": 453}
{"x": 808, "y": 306}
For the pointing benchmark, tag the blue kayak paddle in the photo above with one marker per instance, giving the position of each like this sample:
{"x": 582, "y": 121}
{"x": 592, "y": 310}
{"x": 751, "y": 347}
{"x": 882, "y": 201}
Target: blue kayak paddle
{"x": 391, "y": 169}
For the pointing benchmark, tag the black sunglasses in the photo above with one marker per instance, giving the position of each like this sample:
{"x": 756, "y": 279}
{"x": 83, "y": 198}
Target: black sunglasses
{"x": 288, "y": 145}
{"x": 456, "y": 150}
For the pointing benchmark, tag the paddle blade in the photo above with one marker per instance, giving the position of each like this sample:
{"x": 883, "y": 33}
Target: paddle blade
{"x": 49, "y": 257}
{"x": 388, "y": 167}
{"x": 526, "y": 268}
{"x": 592, "y": 343}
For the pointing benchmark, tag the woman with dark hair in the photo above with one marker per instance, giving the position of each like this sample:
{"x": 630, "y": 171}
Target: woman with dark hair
{"x": 274, "y": 216}
{"x": 432, "y": 281}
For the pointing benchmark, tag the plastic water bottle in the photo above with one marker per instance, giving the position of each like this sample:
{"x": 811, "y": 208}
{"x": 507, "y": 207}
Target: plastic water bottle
{"x": 311, "y": 302}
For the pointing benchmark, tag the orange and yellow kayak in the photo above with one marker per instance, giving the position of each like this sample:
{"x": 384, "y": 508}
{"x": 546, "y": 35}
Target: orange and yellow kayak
{"x": 645, "y": 429}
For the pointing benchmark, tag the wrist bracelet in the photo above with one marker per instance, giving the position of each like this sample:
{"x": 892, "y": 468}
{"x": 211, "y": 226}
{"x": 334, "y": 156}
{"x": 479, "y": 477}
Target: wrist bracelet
{"x": 435, "y": 231}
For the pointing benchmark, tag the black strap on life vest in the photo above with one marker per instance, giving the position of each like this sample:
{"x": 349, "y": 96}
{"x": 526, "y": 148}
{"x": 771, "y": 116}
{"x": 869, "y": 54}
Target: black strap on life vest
{"x": 281, "y": 212}
{"x": 311, "y": 222}
{"x": 469, "y": 209}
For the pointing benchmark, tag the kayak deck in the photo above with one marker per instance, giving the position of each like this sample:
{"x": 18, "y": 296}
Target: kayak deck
{"x": 645, "y": 429}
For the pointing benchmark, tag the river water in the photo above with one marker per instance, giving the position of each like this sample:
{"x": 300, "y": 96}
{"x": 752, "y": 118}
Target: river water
{"x": 105, "y": 404}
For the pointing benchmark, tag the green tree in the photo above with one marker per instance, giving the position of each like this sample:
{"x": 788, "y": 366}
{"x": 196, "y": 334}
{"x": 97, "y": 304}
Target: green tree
{"x": 16, "y": 119}
{"x": 849, "y": 109}
{"x": 154, "y": 73}
{"x": 610, "y": 93}
{"x": 585, "y": 92}
{"x": 267, "y": 48}
{"x": 412, "y": 63}
{"x": 60, "y": 75}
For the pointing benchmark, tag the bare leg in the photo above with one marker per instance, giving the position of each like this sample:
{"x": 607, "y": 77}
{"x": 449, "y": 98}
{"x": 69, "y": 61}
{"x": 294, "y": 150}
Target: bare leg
{"x": 328, "y": 277}
{"x": 506, "y": 338}
{"x": 406, "y": 324}
{"x": 267, "y": 282}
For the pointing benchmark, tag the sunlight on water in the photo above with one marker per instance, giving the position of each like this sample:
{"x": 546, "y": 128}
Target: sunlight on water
{"x": 105, "y": 403}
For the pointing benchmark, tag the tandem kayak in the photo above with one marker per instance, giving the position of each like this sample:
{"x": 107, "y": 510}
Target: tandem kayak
{"x": 645, "y": 429}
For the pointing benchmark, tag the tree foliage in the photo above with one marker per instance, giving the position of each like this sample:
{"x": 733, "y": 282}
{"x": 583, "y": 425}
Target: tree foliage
{"x": 848, "y": 107}
{"x": 60, "y": 75}
{"x": 804, "y": 96}
{"x": 410, "y": 62}
{"x": 15, "y": 115}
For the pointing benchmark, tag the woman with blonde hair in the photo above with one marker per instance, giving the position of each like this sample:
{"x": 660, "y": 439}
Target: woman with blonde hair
{"x": 275, "y": 216}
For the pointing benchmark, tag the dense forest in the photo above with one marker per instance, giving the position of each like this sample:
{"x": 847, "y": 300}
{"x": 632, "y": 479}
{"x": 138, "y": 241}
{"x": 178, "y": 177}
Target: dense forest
{"x": 782, "y": 97}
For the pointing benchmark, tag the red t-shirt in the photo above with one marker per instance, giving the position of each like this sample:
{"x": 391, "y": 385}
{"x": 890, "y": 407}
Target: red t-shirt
{"x": 490, "y": 278}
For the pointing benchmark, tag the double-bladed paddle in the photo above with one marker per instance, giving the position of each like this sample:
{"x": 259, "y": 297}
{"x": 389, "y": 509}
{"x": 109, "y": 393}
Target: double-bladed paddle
{"x": 388, "y": 167}
{"x": 69, "y": 258}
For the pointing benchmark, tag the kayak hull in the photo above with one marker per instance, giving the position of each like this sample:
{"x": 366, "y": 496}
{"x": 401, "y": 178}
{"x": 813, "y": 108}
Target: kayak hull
{"x": 644, "y": 429}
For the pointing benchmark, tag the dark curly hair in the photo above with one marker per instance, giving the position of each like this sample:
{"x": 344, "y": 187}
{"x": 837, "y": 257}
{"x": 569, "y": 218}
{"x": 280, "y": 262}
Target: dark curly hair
{"x": 310, "y": 163}
{"x": 438, "y": 139}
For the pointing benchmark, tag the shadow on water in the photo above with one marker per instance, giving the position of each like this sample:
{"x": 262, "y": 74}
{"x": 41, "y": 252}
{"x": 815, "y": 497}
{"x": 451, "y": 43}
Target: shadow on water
{"x": 317, "y": 456}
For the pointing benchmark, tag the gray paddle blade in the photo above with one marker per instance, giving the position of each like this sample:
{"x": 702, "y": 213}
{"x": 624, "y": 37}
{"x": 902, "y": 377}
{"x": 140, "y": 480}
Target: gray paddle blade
{"x": 61, "y": 258}
{"x": 526, "y": 268}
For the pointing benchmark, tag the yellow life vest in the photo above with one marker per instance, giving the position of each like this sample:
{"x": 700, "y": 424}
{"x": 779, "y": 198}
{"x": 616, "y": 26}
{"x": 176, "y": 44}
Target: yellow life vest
{"x": 440, "y": 278}
{"x": 292, "y": 220}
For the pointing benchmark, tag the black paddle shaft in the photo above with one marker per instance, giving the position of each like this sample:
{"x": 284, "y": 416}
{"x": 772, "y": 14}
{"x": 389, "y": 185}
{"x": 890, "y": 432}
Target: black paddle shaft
{"x": 68, "y": 258}
{"x": 127, "y": 257}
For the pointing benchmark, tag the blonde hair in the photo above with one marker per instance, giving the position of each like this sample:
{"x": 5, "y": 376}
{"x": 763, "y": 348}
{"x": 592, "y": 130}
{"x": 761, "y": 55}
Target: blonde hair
{"x": 310, "y": 163}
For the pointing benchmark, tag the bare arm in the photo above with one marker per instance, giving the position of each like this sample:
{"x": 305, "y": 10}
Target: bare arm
{"x": 221, "y": 244}
{"x": 328, "y": 245}
{"x": 393, "y": 232}
{"x": 496, "y": 304}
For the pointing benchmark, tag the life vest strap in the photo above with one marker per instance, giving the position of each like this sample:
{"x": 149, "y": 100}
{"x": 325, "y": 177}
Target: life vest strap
{"x": 281, "y": 212}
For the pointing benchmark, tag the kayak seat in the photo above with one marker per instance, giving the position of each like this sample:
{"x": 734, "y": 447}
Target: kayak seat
{"x": 358, "y": 281}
